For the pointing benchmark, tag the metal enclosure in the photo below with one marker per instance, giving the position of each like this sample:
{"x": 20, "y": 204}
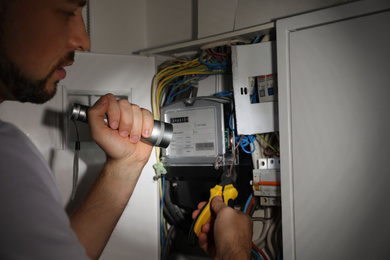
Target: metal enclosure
{"x": 198, "y": 132}
{"x": 248, "y": 62}
{"x": 333, "y": 68}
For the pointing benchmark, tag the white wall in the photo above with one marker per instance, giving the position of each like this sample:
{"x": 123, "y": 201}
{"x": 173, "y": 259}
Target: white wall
{"x": 168, "y": 22}
{"x": 219, "y": 16}
{"x": 117, "y": 26}
{"x": 128, "y": 26}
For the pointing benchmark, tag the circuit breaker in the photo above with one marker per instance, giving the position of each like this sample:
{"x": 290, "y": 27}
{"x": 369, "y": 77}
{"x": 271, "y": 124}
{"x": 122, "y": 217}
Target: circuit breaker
{"x": 267, "y": 90}
{"x": 266, "y": 182}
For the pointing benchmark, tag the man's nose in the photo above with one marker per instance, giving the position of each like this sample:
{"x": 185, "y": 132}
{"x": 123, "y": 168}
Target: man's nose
{"x": 79, "y": 39}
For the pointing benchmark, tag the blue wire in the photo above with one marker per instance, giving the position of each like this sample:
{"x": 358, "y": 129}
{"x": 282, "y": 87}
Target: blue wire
{"x": 258, "y": 38}
{"x": 230, "y": 122}
{"x": 247, "y": 202}
{"x": 246, "y": 140}
{"x": 256, "y": 254}
{"x": 197, "y": 78}
{"x": 253, "y": 98}
{"x": 174, "y": 86}
{"x": 224, "y": 93}
{"x": 161, "y": 220}
{"x": 181, "y": 91}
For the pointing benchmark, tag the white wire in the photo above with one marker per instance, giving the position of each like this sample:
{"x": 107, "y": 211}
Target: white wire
{"x": 269, "y": 240}
{"x": 267, "y": 223}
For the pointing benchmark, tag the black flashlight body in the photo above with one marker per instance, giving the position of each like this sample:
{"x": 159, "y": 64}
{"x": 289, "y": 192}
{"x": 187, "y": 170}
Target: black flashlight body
{"x": 161, "y": 135}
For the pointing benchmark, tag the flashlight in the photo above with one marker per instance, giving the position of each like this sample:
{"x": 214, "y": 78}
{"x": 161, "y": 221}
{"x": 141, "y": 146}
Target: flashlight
{"x": 161, "y": 135}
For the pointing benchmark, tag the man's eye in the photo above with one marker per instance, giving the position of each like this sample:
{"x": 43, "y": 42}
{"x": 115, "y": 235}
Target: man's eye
{"x": 70, "y": 14}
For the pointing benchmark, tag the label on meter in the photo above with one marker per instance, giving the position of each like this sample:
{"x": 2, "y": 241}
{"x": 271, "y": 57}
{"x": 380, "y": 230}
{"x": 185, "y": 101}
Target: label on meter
{"x": 194, "y": 133}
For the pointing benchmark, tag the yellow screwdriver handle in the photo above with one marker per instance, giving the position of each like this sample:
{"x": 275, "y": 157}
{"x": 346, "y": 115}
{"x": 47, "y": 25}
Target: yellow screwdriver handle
{"x": 205, "y": 214}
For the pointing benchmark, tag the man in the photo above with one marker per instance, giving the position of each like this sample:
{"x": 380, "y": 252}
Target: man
{"x": 38, "y": 39}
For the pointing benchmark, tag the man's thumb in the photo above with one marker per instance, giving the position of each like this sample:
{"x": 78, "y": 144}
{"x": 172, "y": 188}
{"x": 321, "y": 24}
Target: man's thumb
{"x": 217, "y": 204}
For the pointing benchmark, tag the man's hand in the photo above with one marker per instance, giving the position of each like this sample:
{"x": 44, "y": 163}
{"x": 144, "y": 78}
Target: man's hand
{"x": 127, "y": 122}
{"x": 98, "y": 214}
{"x": 228, "y": 232}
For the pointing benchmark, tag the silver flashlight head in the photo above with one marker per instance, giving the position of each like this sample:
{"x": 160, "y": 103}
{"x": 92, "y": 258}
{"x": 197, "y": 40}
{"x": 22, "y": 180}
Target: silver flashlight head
{"x": 78, "y": 112}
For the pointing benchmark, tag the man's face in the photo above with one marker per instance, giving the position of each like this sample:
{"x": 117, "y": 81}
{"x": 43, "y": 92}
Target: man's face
{"x": 37, "y": 39}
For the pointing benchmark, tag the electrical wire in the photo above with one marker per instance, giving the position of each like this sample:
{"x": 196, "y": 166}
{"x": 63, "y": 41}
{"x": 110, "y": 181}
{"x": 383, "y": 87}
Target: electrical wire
{"x": 247, "y": 202}
{"x": 225, "y": 93}
{"x": 258, "y": 39}
{"x": 234, "y": 156}
{"x": 270, "y": 228}
{"x": 75, "y": 162}
{"x": 269, "y": 145}
{"x": 246, "y": 141}
{"x": 267, "y": 224}
{"x": 269, "y": 240}
{"x": 174, "y": 73}
{"x": 174, "y": 80}
{"x": 162, "y": 224}
{"x": 171, "y": 234}
{"x": 175, "y": 215}
{"x": 247, "y": 210}
{"x": 259, "y": 251}
{"x": 256, "y": 254}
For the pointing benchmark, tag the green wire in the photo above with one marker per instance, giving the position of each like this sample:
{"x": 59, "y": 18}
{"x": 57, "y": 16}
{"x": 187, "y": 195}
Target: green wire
{"x": 267, "y": 143}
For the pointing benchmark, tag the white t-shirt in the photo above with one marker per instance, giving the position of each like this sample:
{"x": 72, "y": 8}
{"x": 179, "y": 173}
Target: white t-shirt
{"x": 33, "y": 223}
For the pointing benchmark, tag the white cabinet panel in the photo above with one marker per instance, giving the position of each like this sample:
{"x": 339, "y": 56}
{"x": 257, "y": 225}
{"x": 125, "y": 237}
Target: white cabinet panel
{"x": 333, "y": 70}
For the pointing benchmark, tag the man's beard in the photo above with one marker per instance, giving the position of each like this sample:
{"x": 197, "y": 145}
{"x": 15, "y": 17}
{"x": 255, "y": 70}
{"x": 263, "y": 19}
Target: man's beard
{"x": 23, "y": 88}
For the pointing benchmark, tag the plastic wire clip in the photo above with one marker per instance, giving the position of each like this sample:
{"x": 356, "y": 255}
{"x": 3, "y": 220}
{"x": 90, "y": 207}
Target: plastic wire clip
{"x": 159, "y": 169}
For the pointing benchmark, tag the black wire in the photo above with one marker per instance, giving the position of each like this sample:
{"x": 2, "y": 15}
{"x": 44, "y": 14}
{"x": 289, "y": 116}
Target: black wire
{"x": 254, "y": 206}
{"x": 168, "y": 241}
{"x": 174, "y": 213}
{"x": 77, "y": 131}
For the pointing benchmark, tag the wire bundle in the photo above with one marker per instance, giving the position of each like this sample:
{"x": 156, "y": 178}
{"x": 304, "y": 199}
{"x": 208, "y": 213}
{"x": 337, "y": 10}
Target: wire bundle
{"x": 177, "y": 79}
{"x": 270, "y": 236}
{"x": 179, "y": 76}
{"x": 215, "y": 59}
{"x": 265, "y": 144}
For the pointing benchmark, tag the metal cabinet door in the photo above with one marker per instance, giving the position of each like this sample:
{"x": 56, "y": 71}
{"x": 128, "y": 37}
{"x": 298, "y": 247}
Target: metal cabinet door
{"x": 334, "y": 90}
